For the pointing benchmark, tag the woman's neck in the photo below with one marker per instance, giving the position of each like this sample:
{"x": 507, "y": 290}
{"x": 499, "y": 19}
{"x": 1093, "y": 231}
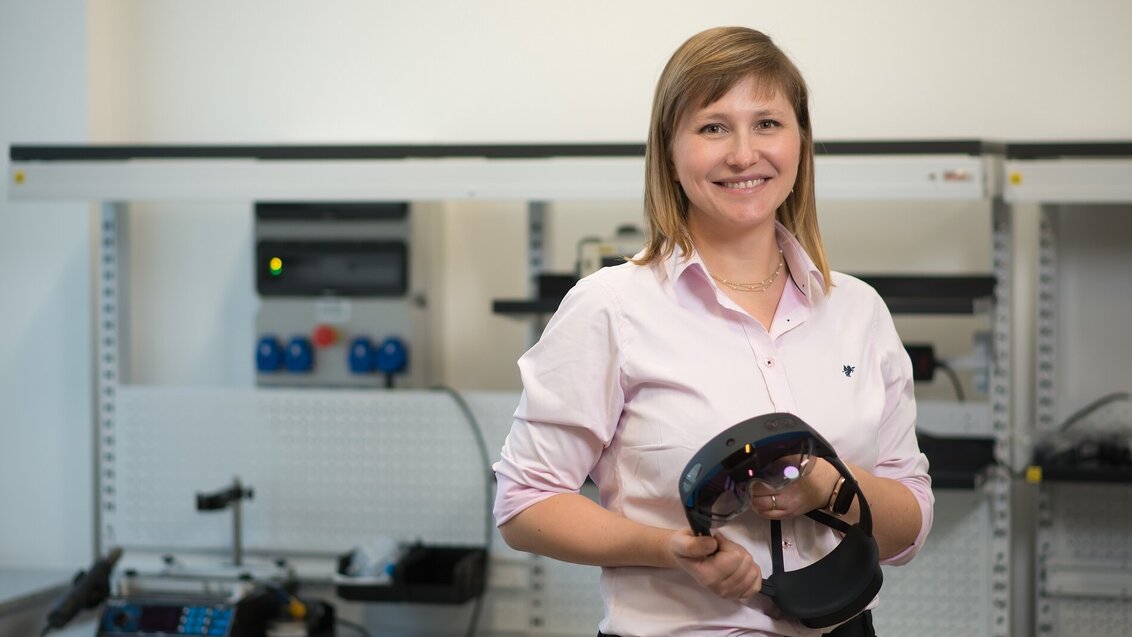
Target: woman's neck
{"x": 745, "y": 258}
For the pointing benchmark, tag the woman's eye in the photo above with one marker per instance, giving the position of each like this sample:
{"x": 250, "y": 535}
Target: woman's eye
{"x": 712, "y": 129}
{"x": 767, "y": 124}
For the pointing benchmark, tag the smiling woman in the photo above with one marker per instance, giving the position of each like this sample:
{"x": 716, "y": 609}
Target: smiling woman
{"x": 729, "y": 312}
{"x": 736, "y": 160}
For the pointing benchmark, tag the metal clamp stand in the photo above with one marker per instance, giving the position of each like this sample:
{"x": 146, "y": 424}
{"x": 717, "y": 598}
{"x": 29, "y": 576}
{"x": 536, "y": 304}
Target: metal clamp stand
{"x": 220, "y": 500}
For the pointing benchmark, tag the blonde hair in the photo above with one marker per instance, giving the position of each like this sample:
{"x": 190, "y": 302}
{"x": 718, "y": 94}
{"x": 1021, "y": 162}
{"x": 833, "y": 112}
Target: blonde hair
{"x": 700, "y": 72}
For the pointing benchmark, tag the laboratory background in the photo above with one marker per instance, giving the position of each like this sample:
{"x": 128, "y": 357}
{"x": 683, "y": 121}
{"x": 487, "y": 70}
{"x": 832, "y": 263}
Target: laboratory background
{"x": 176, "y": 398}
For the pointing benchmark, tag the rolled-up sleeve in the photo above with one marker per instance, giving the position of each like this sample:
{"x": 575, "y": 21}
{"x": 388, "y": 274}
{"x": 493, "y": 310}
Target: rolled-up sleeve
{"x": 899, "y": 456}
{"x": 570, "y": 405}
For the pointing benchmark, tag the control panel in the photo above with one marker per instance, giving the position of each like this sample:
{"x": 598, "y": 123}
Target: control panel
{"x": 138, "y": 618}
{"x": 336, "y": 303}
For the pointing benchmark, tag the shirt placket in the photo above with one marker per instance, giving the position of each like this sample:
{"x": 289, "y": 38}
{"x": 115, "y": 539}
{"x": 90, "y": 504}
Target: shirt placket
{"x": 773, "y": 373}
{"x": 771, "y": 368}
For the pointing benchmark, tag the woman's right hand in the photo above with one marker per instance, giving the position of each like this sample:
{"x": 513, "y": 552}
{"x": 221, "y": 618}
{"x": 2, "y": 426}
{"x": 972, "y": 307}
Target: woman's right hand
{"x": 720, "y": 565}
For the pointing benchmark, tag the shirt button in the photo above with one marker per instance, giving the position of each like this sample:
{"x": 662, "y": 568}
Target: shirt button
{"x": 786, "y": 544}
{"x": 769, "y": 362}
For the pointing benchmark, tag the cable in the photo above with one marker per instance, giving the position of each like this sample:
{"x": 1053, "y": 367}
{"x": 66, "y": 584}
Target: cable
{"x": 947, "y": 369}
{"x": 1081, "y": 413}
{"x": 349, "y": 624}
{"x": 489, "y": 497}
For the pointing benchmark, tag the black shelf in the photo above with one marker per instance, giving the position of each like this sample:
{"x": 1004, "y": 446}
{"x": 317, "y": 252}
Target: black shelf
{"x": 932, "y": 294}
{"x": 1063, "y": 150}
{"x": 551, "y": 290}
{"x": 424, "y": 575}
{"x": 1058, "y": 473}
{"x": 956, "y": 463}
{"x": 536, "y": 306}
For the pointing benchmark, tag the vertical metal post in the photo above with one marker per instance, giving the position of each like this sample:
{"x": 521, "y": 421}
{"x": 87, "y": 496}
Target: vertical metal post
{"x": 1046, "y": 323}
{"x": 237, "y": 528}
{"x": 1045, "y": 404}
{"x": 536, "y": 223}
{"x": 110, "y": 363}
{"x": 1000, "y": 483}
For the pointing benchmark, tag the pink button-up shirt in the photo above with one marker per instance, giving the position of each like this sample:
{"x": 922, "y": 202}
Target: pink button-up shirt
{"x": 640, "y": 366}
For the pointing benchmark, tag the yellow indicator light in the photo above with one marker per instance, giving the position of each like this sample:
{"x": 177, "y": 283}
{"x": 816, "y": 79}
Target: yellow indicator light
{"x": 276, "y": 266}
{"x": 1016, "y": 179}
{"x": 1033, "y": 474}
{"x": 297, "y": 609}
{"x": 19, "y": 177}
{"x": 747, "y": 449}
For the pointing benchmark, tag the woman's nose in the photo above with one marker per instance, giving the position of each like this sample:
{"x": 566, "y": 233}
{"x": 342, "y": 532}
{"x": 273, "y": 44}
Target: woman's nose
{"x": 743, "y": 152}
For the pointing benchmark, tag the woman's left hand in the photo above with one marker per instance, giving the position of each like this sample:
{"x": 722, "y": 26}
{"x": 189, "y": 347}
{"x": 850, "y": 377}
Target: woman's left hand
{"x": 801, "y": 497}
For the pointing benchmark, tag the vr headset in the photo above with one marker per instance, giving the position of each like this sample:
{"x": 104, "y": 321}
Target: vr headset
{"x": 778, "y": 449}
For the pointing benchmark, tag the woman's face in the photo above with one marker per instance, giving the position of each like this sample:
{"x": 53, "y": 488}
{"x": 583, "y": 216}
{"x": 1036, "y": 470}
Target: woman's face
{"x": 737, "y": 159}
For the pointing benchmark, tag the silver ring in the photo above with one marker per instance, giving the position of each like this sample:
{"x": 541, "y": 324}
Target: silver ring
{"x": 773, "y": 503}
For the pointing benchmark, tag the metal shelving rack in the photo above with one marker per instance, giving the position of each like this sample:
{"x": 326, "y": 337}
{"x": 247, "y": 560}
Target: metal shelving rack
{"x": 117, "y": 175}
{"x": 1083, "y": 548}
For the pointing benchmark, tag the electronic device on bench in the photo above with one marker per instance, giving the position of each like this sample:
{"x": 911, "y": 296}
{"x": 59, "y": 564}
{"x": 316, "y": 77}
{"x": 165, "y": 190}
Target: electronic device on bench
{"x": 124, "y": 617}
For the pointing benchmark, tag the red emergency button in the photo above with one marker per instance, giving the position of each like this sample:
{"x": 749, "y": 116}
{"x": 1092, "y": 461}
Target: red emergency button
{"x": 324, "y": 335}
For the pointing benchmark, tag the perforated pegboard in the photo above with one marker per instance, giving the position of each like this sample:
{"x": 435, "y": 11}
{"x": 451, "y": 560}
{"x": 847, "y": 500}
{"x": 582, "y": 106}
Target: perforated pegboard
{"x": 565, "y": 598}
{"x": 494, "y": 411}
{"x": 1092, "y": 617}
{"x": 330, "y": 468}
{"x": 1083, "y": 544}
{"x": 944, "y": 591}
{"x": 1093, "y": 522}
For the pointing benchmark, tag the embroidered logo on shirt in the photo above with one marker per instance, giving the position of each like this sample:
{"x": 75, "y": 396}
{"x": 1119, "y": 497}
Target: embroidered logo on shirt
{"x": 848, "y": 370}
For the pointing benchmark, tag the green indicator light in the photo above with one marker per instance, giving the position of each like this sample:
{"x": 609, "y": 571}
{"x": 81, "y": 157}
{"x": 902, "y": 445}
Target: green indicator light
{"x": 276, "y": 266}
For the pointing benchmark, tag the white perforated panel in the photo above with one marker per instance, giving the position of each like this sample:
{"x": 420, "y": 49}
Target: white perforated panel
{"x": 944, "y": 591}
{"x": 1093, "y": 522}
{"x": 329, "y": 468}
{"x": 1092, "y": 617}
{"x": 1084, "y": 548}
{"x": 494, "y": 411}
{"x": 565, "y": 598}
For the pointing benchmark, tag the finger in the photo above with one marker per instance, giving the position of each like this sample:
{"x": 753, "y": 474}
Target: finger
{"x": 756, "y": 585}
{"x": 731, "y": 559}
{"x": 741, "y": 575}
{"x": 684, "y": 544}
{"x": 767, "y": 506}
{"x": 737, "y": 576}
{"x": 725, "y": 543}
{"x": 747, "y": 585}
{"x": 760, "y": 490}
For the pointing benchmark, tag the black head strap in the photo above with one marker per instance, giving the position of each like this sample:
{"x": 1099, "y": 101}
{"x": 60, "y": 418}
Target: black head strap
{"x": 841, "y": 584}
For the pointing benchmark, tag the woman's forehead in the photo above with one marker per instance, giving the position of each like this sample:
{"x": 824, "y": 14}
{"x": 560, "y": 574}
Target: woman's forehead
{"x": 761, "y": 87}
{"x": 701, "y": 95}
{"x": 764, "y": 94}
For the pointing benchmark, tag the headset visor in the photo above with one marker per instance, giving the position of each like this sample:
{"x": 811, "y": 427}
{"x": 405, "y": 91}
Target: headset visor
{"x": 775, "y": 462}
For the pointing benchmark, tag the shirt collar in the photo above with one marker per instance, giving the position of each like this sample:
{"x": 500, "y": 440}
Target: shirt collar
{"x": 803, "y": 271}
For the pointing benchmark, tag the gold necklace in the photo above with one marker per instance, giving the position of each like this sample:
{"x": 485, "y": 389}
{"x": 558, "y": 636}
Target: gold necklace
{"x": 761, "y": 286}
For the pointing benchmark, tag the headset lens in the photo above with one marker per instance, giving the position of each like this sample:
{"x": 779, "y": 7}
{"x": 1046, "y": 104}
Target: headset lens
{"x": 720, "y": 498}
{"x": 774, "y": 462}
{"x": 779, "y": 462}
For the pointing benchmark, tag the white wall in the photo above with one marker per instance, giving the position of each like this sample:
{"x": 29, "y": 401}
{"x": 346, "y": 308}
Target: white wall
{"x": 514, "y": 70}
{"x": 359, "y": 71}
{"x": 45, "y": 362}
